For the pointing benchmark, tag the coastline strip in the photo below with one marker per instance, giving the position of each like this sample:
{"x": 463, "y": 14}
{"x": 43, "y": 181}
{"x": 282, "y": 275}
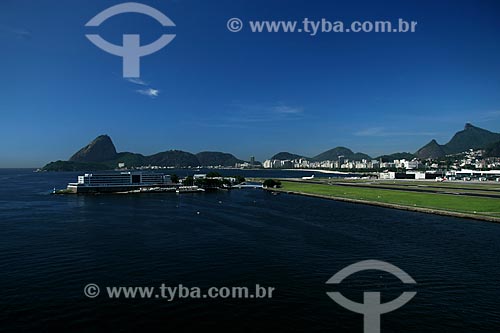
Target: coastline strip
{"x": 416, "y": 208}
{"x": 320, "y": 171}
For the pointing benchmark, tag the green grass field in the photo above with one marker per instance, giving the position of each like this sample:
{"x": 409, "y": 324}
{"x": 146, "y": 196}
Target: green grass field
{"x": 424, "y": 183}
{"x": 459, "y": 189}
{"x": 444, "y": 202}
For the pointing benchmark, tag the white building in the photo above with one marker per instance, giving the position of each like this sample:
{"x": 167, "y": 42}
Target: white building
{"x": 387, "y": 175}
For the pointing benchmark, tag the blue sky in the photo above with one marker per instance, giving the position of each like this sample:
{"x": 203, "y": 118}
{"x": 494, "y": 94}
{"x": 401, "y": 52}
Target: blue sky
{"x": 245, "y": 93}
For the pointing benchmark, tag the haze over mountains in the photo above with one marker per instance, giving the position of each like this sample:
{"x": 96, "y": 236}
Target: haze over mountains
{"x": 101, "y": 154}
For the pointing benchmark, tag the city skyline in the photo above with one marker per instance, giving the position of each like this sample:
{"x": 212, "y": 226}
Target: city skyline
{"x": 470, "y": 146}
{"x": 249, "y": 94}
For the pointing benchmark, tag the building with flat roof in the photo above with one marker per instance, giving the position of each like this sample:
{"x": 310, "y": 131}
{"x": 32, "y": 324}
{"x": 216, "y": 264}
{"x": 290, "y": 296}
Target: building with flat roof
{"x": 118, "y": 182}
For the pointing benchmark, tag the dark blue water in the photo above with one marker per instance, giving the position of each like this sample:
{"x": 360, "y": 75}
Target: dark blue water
{"x": 52, "y": 246}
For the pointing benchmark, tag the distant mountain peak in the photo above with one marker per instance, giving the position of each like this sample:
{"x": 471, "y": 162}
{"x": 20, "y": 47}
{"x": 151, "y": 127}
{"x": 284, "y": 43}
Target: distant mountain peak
{"x": 431, "y": 150}
{"x": 471, "y": 137}
{"x": 469, "y": 126}
{"x": 214, "y": 158}
{"x": 101, "y": 154}
{"x": 396, "y": 156}
{"x": 99, "y": 150}
{"x": 284, "y": 155}
{"x": 335, "y": 153}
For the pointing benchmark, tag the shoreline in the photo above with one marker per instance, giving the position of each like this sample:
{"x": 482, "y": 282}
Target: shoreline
{"x": 319, "y": 171}
{"x": 393, "y": 206}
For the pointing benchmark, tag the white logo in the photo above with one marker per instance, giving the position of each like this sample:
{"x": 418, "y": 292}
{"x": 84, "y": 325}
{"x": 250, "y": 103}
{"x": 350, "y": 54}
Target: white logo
{"x": 131, "y": 51}
{"x": 234, "y": 24}
{"x": 371, "y": 307}
{"x": 91, "y": 290}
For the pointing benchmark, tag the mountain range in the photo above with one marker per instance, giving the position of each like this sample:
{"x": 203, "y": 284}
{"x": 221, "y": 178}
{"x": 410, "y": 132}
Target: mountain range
{"x": 101, "y": 154}
{"x": 471, "y": 137}
{"x": 332, "y": 155}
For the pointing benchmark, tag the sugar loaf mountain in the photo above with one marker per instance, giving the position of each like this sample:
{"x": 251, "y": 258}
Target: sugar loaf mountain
{"x": 101, "y": 154}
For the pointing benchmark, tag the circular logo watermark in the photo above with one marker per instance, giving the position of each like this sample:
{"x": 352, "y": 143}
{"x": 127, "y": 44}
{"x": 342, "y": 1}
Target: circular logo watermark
{"x": 131, "y": 51}
{"x": 91, "y": 290}
{"x": 372, "y": 307}
{"x": 234, "y": 24}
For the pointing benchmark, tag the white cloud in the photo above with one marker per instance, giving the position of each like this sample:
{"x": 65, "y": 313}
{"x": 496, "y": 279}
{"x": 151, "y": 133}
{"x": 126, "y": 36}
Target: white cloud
{"x": 285, "y": 109}
{"x": 149, "y": 92}
{"x": 137, "y": 81}
{"x": 385, "y": 132}
{"x": 250, "y": 115}
{"x": 372, "y": 131}
{"x": 21, "y": 33}
{"x": 254, "y": 113}
{"x": 490, "y": 115}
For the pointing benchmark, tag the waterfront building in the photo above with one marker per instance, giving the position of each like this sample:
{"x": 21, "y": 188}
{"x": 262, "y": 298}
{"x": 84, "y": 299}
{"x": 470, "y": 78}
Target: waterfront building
{"x": 118, "y": 182}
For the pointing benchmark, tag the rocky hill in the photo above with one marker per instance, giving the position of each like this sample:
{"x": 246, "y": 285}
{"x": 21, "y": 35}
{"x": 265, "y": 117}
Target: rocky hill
{"x": 99, "y": 150}
{"x": 431, "y": 150}
{"x": 471, "y": 137}
{"x": 284, "y": 155}
{"x": 215, "y": 158}
{"x": 100, "y": 154}
{"x": 335, "y": 153}
{"x": 396, "y": 156}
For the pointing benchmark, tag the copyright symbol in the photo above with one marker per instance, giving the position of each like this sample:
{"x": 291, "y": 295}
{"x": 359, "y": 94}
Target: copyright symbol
{"x": 234, "y": 24}
{"x": 91, "y": 290}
